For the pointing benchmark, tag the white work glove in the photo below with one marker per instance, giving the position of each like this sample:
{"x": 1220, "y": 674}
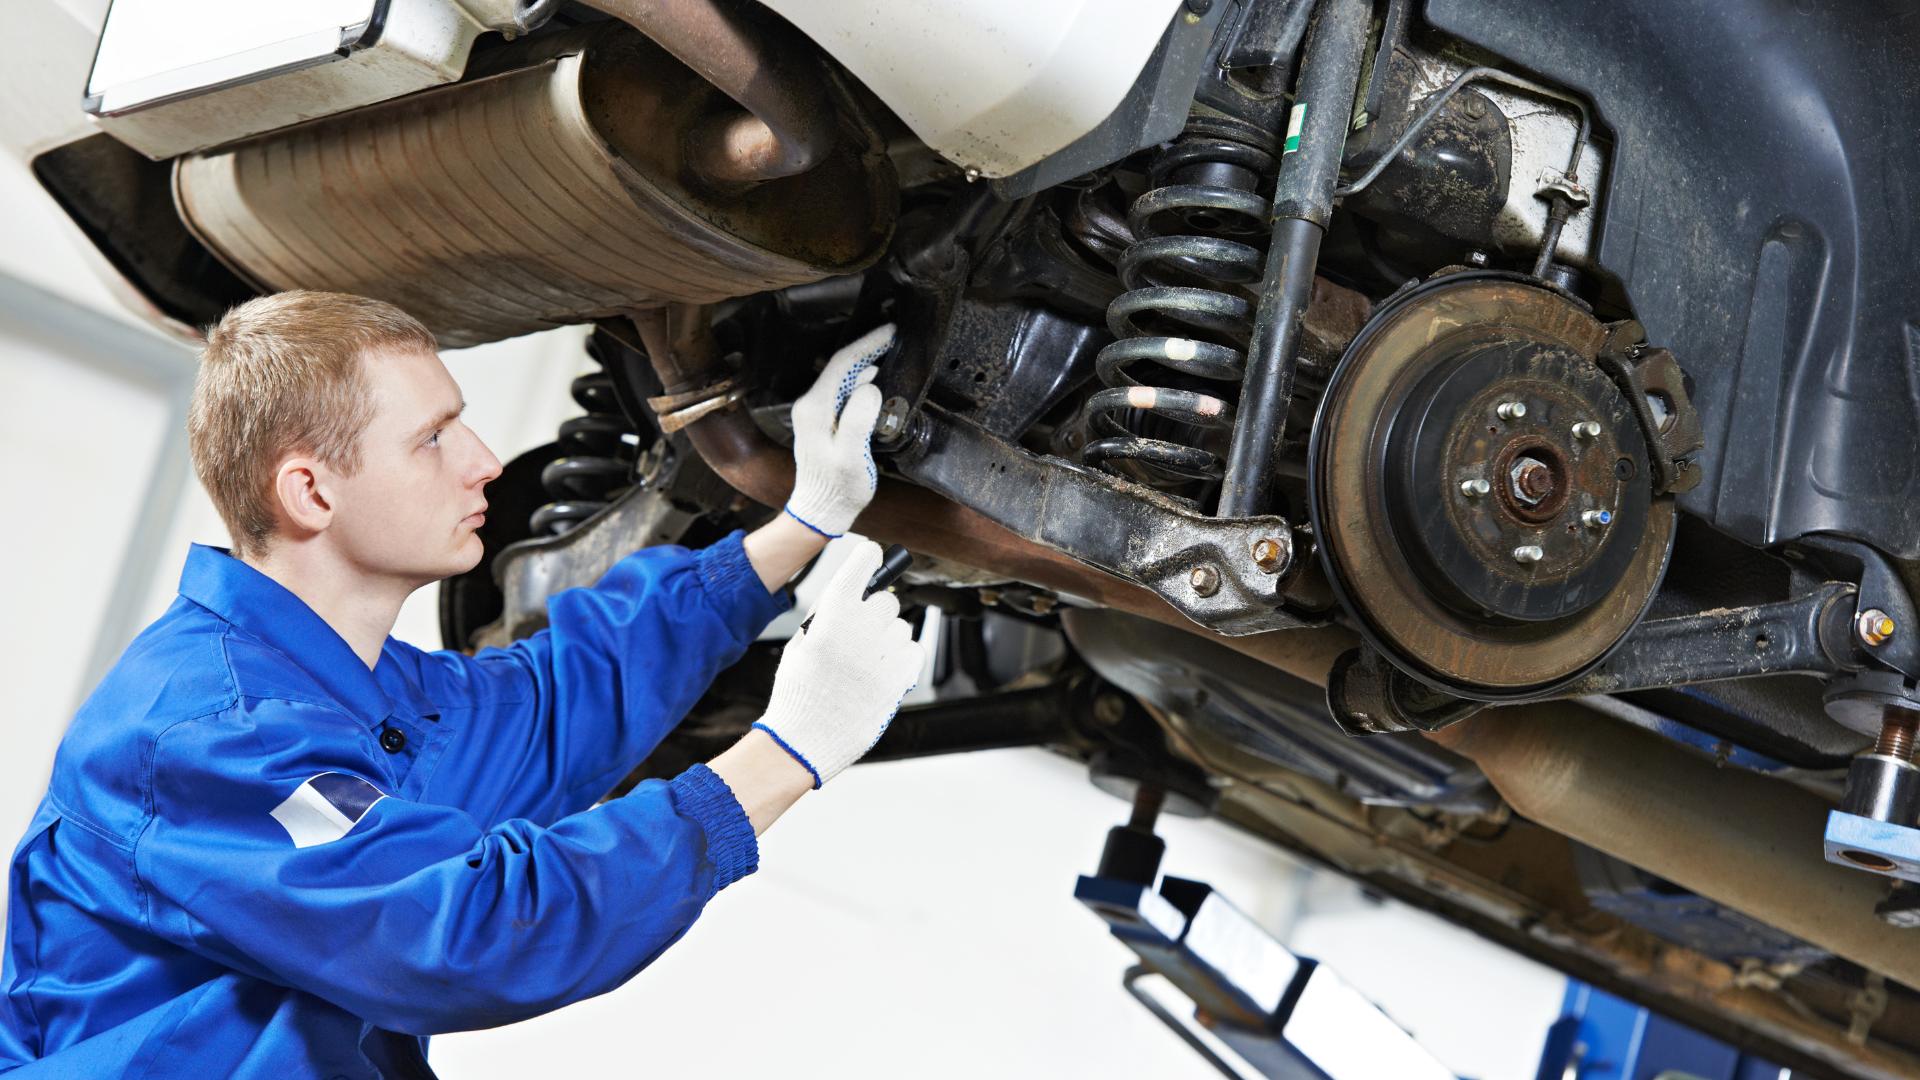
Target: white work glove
{"x": 842, "y": 677}
{"x": 834, "y": 476}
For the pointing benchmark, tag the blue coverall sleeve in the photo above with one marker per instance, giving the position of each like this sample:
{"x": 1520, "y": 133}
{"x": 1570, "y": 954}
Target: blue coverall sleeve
{"x": 551, "y": 723}
{"x": 408, "y": 914}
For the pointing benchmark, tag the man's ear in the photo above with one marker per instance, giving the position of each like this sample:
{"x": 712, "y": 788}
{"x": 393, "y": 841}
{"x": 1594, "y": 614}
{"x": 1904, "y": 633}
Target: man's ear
{"x": 299, "y": 487}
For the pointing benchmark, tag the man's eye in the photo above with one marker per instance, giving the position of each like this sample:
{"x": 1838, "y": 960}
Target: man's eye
{"x": 434, "y": 439}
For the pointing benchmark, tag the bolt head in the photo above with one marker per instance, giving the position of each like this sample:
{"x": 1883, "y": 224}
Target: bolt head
{"x": 1269, "y": 555}
{"x": 1875, "y": 627}
{"x": 1511, "y": 410}
{"x": 1528, "y": 553}
{"x": 1477, "y": 258}
{"x": 1205, "y": 580}
{"x": 1596, "y": 519}
{"x": 892, "y": 421}
{"x": 1532, "y": 480}
{"x": 1473, "y": 489}
{"x": 1586, "y": 429}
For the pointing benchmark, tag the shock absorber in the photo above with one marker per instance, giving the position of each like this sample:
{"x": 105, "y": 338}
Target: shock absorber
{"x": 1317, "y": 127}
{"x": 1187, "y": 308}
{"x": 596, "y": 458}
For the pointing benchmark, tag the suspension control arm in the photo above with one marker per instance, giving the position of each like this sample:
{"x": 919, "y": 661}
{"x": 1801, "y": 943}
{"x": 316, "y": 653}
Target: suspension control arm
{"x": 1812, "y": 635}
{"x": 1225, "y": 575}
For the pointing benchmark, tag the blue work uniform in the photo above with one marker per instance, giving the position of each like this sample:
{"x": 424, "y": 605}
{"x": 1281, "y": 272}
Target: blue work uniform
{"x": 258, "y": 858}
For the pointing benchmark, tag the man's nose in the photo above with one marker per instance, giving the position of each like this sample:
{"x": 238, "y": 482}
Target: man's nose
{"x": 483, "y": 467}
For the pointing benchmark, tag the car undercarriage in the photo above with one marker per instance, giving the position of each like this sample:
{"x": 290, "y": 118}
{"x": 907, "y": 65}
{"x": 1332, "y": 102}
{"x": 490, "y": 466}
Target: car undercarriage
{"x": 1469, "y": 444}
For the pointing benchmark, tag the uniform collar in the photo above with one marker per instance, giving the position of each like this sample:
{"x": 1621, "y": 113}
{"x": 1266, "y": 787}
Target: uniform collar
{"x": 264, "y": 608}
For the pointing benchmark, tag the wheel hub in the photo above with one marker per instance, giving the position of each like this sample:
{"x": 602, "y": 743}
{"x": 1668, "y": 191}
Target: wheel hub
{"x": 1482, "y": 491}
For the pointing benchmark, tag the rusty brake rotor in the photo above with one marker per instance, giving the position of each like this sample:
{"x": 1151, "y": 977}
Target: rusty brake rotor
{"x": 1481, "y": 489}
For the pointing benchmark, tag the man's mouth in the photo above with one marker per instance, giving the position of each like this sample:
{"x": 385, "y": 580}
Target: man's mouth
{"x": 475, "y": 519}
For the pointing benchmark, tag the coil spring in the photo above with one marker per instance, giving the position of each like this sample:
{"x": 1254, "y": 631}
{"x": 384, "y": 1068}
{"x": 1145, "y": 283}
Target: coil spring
{"x": 596, "y": 459}
{"x": 1175, "y": 313}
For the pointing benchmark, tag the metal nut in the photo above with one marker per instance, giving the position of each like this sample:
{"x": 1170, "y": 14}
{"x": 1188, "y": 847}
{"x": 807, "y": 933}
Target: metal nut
{"x": 1205, "y": 580}
{"x": 1532, "y": 480}
{"x": 1528, "y": 553}
{"x": 1586, "y": 429}
{"x": 1511, "y": 410}
{"x": 1269, "y": 555}
{"x": 1874, "y": 626}
{"x": 892, "y": 421}
{"x": 1594, "y": 519}
{"x": 1473, "y": 489}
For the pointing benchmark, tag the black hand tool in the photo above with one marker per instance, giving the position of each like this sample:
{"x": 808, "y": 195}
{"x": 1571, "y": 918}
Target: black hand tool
{"x": 898, "y": 560}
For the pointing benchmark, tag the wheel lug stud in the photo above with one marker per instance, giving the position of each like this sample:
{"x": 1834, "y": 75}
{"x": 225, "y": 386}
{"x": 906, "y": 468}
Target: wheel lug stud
{"x": 1511, "y": 410}
{"x": 1473, "y": 489}
{"x": 1586, "y": 429}
{"x": 1594, "y": 519}
{"x": 1528, "y": 553}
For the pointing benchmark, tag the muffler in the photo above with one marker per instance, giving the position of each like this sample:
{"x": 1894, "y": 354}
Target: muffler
{"x": 1744, "y": 840}
{"x": 563, "y": 186}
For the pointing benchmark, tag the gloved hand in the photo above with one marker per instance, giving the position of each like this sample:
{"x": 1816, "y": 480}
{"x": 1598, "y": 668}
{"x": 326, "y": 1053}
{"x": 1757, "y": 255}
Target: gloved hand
{"x": 834, "y": 476}
{"x": 841, "y": 679}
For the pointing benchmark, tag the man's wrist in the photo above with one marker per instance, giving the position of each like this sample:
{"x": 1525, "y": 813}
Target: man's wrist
{"x": 778, "y": 549}
{"x": 764, "y": 778}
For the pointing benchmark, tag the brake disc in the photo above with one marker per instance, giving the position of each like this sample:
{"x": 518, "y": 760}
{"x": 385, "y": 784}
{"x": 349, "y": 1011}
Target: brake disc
{"x": 1481, "y": 492}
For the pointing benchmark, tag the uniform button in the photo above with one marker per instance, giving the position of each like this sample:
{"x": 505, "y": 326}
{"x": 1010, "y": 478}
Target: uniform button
{"x": 393, "y": 740}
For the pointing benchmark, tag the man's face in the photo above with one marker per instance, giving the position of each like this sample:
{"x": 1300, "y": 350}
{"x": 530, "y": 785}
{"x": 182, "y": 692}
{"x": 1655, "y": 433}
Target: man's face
{"x": 411, "y": 510}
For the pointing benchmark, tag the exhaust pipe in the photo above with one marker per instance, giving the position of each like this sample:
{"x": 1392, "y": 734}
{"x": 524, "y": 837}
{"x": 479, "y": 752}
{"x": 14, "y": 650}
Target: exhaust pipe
{"x": 1736, "y": 837}
{"x": 566, "y": 181}
{"x": 789, "y": 124}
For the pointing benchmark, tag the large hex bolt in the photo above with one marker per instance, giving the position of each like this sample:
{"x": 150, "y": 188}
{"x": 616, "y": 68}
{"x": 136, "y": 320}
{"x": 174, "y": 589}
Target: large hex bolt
{"x": 892, "y": 420}
{"x": 1532, "y": 480}
{"x": 1874, "y": 627}
{"x": 1269, "y": 555}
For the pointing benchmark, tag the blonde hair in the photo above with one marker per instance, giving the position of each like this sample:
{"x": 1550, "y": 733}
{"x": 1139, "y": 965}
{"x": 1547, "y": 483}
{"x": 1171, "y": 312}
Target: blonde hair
{"x": 281, "y": 374}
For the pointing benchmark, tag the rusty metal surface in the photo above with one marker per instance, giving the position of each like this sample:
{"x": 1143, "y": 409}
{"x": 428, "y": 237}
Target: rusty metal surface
{"x": 734, "y": 446}
{"x": 532, "y": 571}
{"x": 1468, "y": 653}
{"x": 550, "y": 193}
{"x": 1748, "y": 841}
{"x": 1208, "y": 568}
{"x": 788, "y": 127}
{"x": 1520, "y": 889}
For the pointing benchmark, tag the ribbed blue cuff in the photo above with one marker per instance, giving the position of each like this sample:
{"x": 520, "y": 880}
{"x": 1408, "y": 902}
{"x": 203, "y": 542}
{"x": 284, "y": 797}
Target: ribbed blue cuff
{"x": 735, "y": 588}
{"x": 731, "y": 846}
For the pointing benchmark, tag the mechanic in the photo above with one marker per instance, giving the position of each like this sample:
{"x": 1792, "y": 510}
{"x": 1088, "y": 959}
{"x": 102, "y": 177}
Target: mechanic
{"x": 278, "y": 843}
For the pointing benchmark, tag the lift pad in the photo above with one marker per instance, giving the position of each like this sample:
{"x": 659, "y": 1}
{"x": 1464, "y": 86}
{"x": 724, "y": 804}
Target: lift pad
{"x": 1287, "y": 1016}
{"x": 1879, "y": 846}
